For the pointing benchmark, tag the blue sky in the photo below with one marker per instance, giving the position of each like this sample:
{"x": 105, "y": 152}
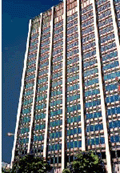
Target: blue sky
{"x": 15, "y": 18}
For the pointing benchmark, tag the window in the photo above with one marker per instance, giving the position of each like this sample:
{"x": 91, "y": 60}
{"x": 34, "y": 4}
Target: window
{"x": 111, "y": 75}
{"x": 74, "y": 87}
{"x": 24, "y": 130}
{"x": 91, "y": 82}
{"x": 88, "y": 55}
{"x": 57, "y": 102}
{"x": 56, "y": 123}
{"x": 90, "y": 72}
{"x": 58, "y": 112}
{"x": 26, "y": 119}
{"x": 40, "y": 106}
{"x": 27, "y": 101}
{"x": 70, "y": 79}
{"x": 74, "y": 119}
{"x": 111, "y": 65}
{"x": 73, "y": 108}
{"x": 28, "y": 92}
{"x": 90, "y": 63}
{"x": 39, "y": 127}
{"x": 26, "y": 111}
{"x": 42, "y": 80}
{"x": 30, "y": 77}
{"x": 87, "y": 30}
{"x": 93, "y": 115}
{"x": 41, "y": 116}
{"x": 71, "y": 98}
{"x": 114, "y": 124}
{"x": 109, "y": 56}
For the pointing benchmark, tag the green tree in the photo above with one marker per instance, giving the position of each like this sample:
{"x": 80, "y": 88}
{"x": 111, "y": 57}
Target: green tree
{"x": 66, "y": 171}
{"x": 30, "y": 164}
{"x": 5, "y": 170}
{"x": 87, "y": 162}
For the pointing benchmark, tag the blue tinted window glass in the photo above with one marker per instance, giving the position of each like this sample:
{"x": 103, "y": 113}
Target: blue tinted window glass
{"x": 102, "y": 140}
{"x": 79, "y": 143}
{"x": 117, "y": 138}
{"x": 91, "y": 82}
{"x": 118, "y": 110}
{"x": 97, "y": 141}
{"x": 75, "y": 144}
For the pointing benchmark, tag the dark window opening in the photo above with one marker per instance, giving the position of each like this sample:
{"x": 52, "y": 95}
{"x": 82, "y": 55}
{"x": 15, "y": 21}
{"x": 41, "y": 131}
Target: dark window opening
{"x": 51, "y": 161}
{"x": 71, "y": 158}
{"x": 118, "y": 153}
{"x": 59, "y": 159}
{"x": 67, "y": 159}
{"x": 112, "y": 154}
{"x": 103, "y": 155}
{"x": 55, "y": 159}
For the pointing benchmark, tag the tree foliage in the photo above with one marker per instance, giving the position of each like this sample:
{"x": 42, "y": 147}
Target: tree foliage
{"x": 30, "y": 164}
{"x": 66, "y": 171}
{"x": 87, "y": 162}
{"x": 5, "y": 170}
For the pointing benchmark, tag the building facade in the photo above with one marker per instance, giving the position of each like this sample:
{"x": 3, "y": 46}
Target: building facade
{"x": 70, "y": 89}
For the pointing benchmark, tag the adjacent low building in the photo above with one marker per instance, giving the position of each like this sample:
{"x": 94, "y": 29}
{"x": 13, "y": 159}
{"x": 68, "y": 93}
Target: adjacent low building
{"x": 5, "y": 165}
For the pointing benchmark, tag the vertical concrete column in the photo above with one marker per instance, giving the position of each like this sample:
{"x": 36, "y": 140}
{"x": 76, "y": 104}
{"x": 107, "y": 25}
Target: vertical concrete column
{"x": 115, "y": 29}
{"x": 81, "y": 78}
{"x": 48, "y": 91}
{"x": 64, "y": 84}
{"x": 21, "y": 92}
{"x": 103, "y": 108}
{"x": 34, "y": 92}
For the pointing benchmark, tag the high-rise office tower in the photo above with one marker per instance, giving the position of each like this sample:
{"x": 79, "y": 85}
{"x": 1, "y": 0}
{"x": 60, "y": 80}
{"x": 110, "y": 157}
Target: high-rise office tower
{"x": 70, "y": 91}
